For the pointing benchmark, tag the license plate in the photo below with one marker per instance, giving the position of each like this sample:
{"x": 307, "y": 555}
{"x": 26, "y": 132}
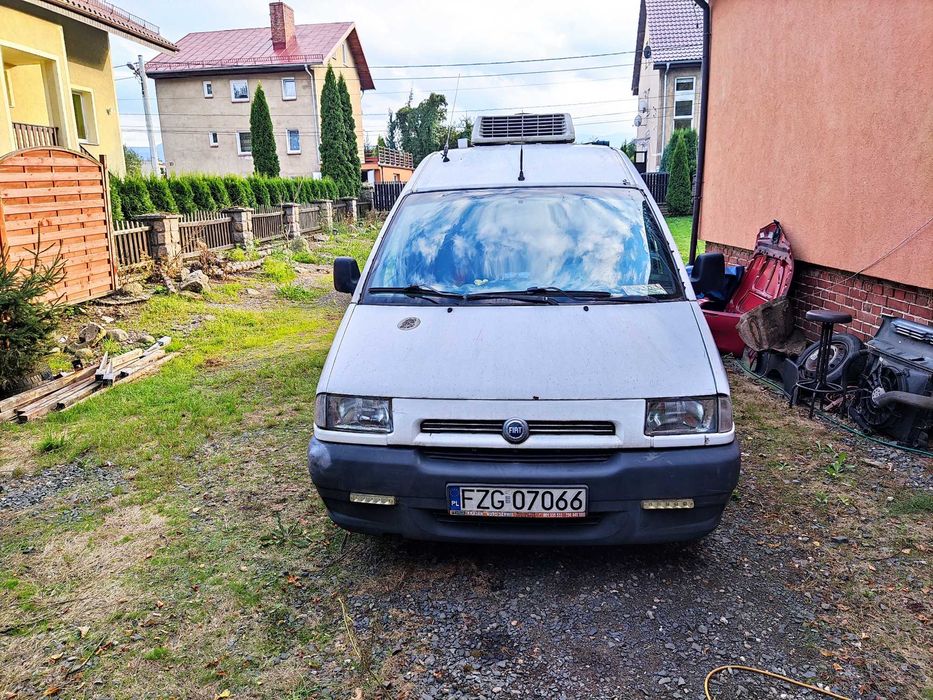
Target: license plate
{"x": 517, "y": 501}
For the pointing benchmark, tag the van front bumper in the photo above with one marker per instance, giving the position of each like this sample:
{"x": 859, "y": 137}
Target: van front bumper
{"x": 617, "y": 484}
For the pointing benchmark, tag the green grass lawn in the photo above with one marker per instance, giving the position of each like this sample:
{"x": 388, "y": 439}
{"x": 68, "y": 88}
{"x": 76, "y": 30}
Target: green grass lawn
{"x": 680, "y": 230}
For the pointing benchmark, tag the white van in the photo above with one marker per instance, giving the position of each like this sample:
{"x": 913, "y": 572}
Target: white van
{"x": 523, "y": 359}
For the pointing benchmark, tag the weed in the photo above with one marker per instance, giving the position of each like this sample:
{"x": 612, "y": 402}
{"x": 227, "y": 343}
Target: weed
{"x": 156, "y": 654}
{"x": 307, "y": 258}
{"x": 278, "y": 270}
{"x": 822, "y": 498}
{"x": 296, "y": 292}
{"x": 51, "y": 442}
{"x": 912, "y": 504}
{"x": 236, "y": 255}
{"x": 286, "y": 535}
{"x": 835, "y": 469}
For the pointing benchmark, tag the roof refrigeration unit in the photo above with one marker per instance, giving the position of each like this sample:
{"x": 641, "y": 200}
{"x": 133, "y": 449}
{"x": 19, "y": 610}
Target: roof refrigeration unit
{"x": 489, "y": 130}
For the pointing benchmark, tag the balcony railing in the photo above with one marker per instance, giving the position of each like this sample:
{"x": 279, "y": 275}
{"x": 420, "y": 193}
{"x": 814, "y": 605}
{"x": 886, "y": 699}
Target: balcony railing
{"x": 32, "y": 135}
{"x": 389, "y": 157}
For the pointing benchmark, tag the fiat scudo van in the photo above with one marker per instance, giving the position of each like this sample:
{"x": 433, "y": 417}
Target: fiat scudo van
{"x": 523, "y": 359}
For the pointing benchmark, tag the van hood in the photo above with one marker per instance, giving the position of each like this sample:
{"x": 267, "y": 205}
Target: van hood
{"x": 618, "y": 351}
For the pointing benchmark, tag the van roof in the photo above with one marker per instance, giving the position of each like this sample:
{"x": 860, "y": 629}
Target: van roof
{"x": 542, "y": 164}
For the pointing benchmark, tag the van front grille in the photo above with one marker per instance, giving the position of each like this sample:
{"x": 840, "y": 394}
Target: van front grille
{"x": 535, "y": 427}
{"x": 506, "y": 455}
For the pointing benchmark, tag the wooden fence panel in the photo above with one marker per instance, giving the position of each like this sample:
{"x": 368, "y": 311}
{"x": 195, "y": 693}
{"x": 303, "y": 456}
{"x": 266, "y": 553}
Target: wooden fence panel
{"x": 268, "y": 224}
{"x": 208, "y": 227}
{"x": 131, "y": 244}
{"x": 54, "y": 202}
{"x": 309, "y": 219}
{"x": 385, "y": 194}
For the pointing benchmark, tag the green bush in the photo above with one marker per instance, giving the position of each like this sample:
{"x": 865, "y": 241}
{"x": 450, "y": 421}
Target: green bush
{"x": 690, "y": 138}
{"x": 679, "y": 196}
{"x": 278, "y": 192}
{"x": 260, "y": 191}
{"x": 182, "y": 194}
{"x": 201, "y": 191}
{"x": 116, "y": 202}
{"x": 239, "y": 191}
{"x": 134, "y": 197}
{"x": 28, "y": 320}
{"x": 218, "y": 191}
{"x": 161, "y": 195}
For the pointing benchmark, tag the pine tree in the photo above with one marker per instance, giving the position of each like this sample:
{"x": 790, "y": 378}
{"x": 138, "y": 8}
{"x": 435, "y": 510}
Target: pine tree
{"x": 679, "y": 199}
{"x": 352, "y": 152}
{"x": 333, "y": 130}
{"x": 265, "y": 159}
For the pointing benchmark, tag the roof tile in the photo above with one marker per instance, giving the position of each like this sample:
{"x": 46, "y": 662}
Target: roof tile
{"x": 675, "y": 30}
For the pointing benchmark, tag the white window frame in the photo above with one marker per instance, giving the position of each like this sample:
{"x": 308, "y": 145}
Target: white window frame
{"x": 294, "y": 83}
{"x": 239, "y": 150}
{"x": 213, "y": 138}
{"x": 89, "y": 113}
{"x": 288, "y": 142}
{"x": 343, "y": 50}
{"x": 684, "y": 95}
{"x": 233, "y": 97}
{"x": 207, "y": 88}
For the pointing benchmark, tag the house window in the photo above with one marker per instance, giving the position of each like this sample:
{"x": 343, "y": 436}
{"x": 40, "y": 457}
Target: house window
{"x": 684, "y": 95}
{"x": 289, "y": 89}
{"x": 208, "y": 88}
{"x": 213, "y": 139}
{"x": 343, "y": 50}
{"x": 83, "y": 103}
{"x": 239, "y": 91}
{"x": 244, "y": 143}
{"x": 294, "y": 141}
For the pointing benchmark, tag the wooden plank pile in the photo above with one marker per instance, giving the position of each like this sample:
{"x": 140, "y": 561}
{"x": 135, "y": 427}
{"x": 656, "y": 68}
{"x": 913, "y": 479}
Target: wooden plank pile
{"x": 73, "y": 388}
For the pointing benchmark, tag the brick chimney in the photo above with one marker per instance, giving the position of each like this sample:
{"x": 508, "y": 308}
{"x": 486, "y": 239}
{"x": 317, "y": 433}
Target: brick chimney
{"x": 282, "y": 20}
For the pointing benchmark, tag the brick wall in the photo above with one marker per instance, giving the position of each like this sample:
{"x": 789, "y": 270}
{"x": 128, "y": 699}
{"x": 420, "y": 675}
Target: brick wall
{"x": 865, "y": 297}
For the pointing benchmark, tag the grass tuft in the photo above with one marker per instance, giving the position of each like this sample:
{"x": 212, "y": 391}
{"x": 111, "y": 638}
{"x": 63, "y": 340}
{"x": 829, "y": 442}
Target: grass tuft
{"x": 913, "y": 504}
{"x": 296, "y": 292}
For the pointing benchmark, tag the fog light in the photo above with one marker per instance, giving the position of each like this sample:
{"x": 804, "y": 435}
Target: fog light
{"x": 373, "y": 499}
{"x": 668, "y": 504}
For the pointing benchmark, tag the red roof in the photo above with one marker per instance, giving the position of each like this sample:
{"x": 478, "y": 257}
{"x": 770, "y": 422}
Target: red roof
{"x": 245, "y": 48}
{"x": 112, "y": 17}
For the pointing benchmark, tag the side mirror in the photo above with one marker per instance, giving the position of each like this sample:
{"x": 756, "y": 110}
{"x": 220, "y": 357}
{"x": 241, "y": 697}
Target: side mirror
{"x": 346, "y": 275}
{"x": 709, "y": 273}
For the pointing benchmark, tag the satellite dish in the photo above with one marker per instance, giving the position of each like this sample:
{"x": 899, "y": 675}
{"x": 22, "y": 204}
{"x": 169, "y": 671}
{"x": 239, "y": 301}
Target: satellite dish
{"x": 646, "y": 52}
{"x": 642, "y": 105}
{"x": 638, "y": 120}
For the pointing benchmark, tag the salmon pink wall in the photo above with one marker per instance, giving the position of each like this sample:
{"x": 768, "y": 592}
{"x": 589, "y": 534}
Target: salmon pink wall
{"x": 821, "y": 116}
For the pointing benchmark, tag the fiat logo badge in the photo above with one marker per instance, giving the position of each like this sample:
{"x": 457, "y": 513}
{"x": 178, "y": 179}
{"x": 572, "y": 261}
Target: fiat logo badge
{"x": 515, "y": 430}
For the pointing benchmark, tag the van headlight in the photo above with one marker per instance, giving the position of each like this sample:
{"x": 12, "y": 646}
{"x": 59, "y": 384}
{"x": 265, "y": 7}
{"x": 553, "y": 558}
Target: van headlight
{"x": 681, "y": 416}
{"x": 361, "y": 414}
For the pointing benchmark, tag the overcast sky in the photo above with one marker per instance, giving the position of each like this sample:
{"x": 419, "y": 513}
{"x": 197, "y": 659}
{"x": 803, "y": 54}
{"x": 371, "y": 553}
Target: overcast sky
{"x": 408, "y": 32}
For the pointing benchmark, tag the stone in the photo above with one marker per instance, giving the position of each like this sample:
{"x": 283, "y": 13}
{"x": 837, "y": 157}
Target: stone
{"x": 147, "y": 339}
{"x": 195, "y": 282}
{"x": 118, "y": 334}
{"x": 250, "y": 292}
{"x": 132, "y": 289}
{"x": 91, "y": 334}
{"x": 299, "y": 245}
{"x": 84, "y": 354}
{"x": 107, "y": 319}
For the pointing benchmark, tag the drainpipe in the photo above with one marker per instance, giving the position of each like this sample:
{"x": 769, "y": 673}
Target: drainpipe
{"x": 701, "y": 137}
{"x": 663, "y": 142}
{"x": 317, "y": 117}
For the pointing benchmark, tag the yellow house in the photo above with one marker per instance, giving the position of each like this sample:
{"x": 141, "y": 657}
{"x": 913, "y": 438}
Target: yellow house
{"x": 57, "y": 85}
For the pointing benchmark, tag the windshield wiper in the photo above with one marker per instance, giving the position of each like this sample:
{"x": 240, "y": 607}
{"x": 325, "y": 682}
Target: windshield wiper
{"x": 569, "y": 293}
{"x": 417, "y": 290}
{"x": 633, "y": 299}
{"x": 512, "y": 295}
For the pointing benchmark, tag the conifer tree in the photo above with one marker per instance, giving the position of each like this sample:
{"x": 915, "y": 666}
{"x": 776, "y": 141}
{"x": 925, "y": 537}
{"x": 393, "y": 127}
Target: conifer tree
{"x": 265, "y": 159}
{"x": 351, "y": 146}
{"x": 333, "y": 131}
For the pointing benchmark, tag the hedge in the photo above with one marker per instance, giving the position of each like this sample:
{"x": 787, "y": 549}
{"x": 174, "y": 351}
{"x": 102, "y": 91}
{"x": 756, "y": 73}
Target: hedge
{"x": 134, "y": 195}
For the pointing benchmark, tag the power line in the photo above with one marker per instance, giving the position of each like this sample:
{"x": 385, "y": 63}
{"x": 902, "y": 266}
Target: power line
{"x": 500, "y": 75}
{"x": 519, "y": 60}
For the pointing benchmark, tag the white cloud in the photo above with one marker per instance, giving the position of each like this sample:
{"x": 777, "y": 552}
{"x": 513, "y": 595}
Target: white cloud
{"x": 409, "y": 32}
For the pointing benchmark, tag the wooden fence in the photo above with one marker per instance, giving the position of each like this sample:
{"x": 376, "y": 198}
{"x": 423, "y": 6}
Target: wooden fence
{"x": 363, "y": 207}
{"x": 385, "y": 194}
{"x": 54, "y": 202}
{"x": 657, "y": 185}
{"x": 131, "y": 243}
{"x": 208, "y": 227}
{"x": 341, "y": 210}
{"x": 309, "y": 219}
{"x": 268, "y": 224}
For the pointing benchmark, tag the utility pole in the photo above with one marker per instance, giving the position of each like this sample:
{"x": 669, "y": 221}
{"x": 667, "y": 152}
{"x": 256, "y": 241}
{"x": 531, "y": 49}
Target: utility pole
{"x": 140, "y": 71}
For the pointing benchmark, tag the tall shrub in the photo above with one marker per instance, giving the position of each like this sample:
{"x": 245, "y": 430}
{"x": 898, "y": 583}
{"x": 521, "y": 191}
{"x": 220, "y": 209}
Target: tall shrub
{"x": 679, "y": 200}
{"x": 278, "y": 192}
{"x": 116, "y": 202}
{"x": 265, "y": 159}
{"x": 352, "y": 176}
{"x": 134, "y": 197}
{"x": 218, "y": 191}
{"x": 201, "y": 191}
{"x": 182, "y": 194}
{"x": 333, "y": 131}
{"x": 260, "y": 190}
{"x": 239, "y": 191}
{"x": 160, "y": 194}
{"x": 28, "y": 320}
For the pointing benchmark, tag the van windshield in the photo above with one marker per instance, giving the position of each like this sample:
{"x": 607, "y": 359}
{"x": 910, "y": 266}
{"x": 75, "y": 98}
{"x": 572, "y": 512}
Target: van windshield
{"x": 477, "y": 243}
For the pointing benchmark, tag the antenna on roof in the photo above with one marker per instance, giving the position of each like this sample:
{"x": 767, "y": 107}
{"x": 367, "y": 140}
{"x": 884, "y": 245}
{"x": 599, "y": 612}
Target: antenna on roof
{"x": 450, "y": 122}
{"x": 521, "y": 162}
